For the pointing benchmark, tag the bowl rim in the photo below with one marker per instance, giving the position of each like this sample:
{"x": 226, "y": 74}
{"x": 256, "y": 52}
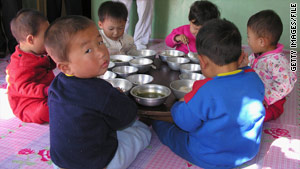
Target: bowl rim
{"x": 160, "y": 53}
{"x": 170, "y": 59}
{"x": 134, "y": 88}
{"x": 128, "y": 56}
{"x": 180, "y": 80}
{"x": 151, "y": 61}
{"x": 118, "y": 67}
{"x": 189, "y": 64}
{"x": 181, "y": 74}
{"x": 120, "y": 79}
{"x": 114, "y": 74}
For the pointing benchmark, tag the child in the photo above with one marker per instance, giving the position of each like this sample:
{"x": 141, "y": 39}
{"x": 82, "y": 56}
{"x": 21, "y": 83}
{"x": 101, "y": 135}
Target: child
{"x": 85, "y": 111}
{"x": 269, "y": 62}
{"x": 29, "y": 73}
{"x": 112, "y": 21}
{"x": 184, "y": 36}
{"x": 219, "y": 123}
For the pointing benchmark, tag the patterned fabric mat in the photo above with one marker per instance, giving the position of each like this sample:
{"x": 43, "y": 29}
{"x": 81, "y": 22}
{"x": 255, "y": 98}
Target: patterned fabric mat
{"x": 26, "y": 145}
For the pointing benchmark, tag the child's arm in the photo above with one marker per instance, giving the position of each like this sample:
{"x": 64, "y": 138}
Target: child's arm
{"x": 243, "y": 60}
{"x": 170, "y": 39}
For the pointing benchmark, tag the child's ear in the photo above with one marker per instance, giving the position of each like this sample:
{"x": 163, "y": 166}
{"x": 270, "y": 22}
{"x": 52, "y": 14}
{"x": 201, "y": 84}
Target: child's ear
{"x": 64, "y": 67}
{"x": 100, "y": 24}
{"x": 202, "y": 61}
{"x": 262, "y": 41}
{"x": 29, "y": 39}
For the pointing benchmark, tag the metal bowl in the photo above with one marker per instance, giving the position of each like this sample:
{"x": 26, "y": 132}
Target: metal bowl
{"x": 181, "y": 87}
{"x": 150, "y": 94}
{"x": 170, "y": 53}
{"x": 124, "y": 71}
{"x": 140, "y": 79}
{"x": 175, "y": 62}
{"x": 191, "y": 76}
{"x": 108, "y": 75}
{"x": 143, "y": 64}
{"x": 193, "y": 57}
{"x": 120, "y": 60}
{"x": 146, "y": 53}
{"x": 123, "y": 84}
{"x": 111, "y": 65}
{"x": 189, "y": 68}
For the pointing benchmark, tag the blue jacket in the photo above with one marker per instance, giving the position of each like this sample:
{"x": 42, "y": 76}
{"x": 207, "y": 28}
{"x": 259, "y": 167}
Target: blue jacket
{"x": 84, "y": 117}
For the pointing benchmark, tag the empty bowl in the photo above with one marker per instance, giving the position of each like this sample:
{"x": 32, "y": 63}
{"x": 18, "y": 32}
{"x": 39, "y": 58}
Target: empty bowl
{"x": 170, "y": 53}
{"x": 123, "y": 84}
{"x": 120, "y": 60}
{"x": 150, "y": 94}
{"x": 140, "y": 79}
{"x": 189, "y": 68}
{"x": 143, "y": 64}
{"x": 181, "y": 87}
{"x": 191, "y": 76}
{"x": 175, "y": 62}
{"x": 193, "y": 57}
{"x": 146, "y": 53}
{"x": 108, "y": 75}
{"x": 124, "y": 71}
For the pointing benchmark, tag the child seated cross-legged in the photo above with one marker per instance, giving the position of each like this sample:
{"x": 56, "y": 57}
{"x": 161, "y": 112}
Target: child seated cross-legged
{"x": 185, "y": 36}
{"x": 112, "y": 21}
{"x": 269, "y": 62}
{"x": 92, "y": 124}
{"x": 29, "y": 72}
{"x": 219, "y": 123}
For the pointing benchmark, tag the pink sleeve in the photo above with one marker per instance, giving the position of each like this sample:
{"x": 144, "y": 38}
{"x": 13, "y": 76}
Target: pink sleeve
{"x": 170, "y": 38}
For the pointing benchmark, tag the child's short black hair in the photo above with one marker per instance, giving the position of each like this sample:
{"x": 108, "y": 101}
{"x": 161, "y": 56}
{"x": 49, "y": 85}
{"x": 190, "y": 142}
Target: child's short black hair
{"x": 268, "y": 24}
{"x": 202, "y": 11}
{"x": 26, "y": 22}
{"x": 59, "y": 34}
{"x": 220, "y": 41}
{"x": 113, "y": 9}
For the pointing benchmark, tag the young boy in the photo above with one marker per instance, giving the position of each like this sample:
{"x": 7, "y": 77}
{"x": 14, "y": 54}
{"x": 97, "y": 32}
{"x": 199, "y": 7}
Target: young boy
{"x": 92, "y": 124}
{"x": 29, "y": 73}
{"x": 219, "y": 123}
{"x": 112, "y": 21}
{"x": 269, "y": 62}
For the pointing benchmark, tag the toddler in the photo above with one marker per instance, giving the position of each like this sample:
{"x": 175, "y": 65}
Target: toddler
{"x": 29, "y": 73}
{"x": 269, "y": 62}
{"x": 112, "y": 21}
{"x": 184, "y": 37}
{"x": 219, "y": 123}
{"x": 92, "y": 124}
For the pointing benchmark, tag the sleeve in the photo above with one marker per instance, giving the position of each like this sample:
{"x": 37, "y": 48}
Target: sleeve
{"x": 251, "y": 59}
{"x": 170, "y": 38}
{"x": 25, "y": 85}
{"x": 128, "y": 45}
{"x": 283, "y": 79}
{"x": 121, "y": 110}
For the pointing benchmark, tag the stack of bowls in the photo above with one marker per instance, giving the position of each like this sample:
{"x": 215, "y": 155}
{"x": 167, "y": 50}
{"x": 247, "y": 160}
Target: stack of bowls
{"x": 181, "y": 87}
{"x": 150, "y": 94}
{"x": 140, "y": 79}
{"x": 170, "y": 53}
{"x": 122, "y": 84}
{"x": 120, "y": 60}
{"x": 175, "y": 62}
{"x": 124, "y": 71}
{"x": 143, "y": 64}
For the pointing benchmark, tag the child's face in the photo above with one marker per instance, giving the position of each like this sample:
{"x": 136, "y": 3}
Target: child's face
{"x": 254, "y": 41}
{"x": 194, "y": 29}
{"x": 113, "y": 28}
{"x": 88, "y": 56}
{"x": 38, "y": 40}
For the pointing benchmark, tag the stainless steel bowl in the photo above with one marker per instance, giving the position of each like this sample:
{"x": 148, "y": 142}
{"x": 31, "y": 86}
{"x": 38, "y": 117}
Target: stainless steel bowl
{"x": 143, "y": 64}
{"x": 111, "y": 65}
{"x": 193, "y": 57}
{"x": 124, "y": 71}
{"x": 146, "y": 53}
{"x": 123, "y": 84}
{"x": 191, "y": 76}
{"x": 170, "y": 53}
{"x": 189, "y": 68}
{"x": 150, "y": 94}
{"x": 175, "y": 62}
{"x": 140, "y": 79}
{"x": 181, "y": 87}
{"x": 120, "y": 60}
{"x": 108, "y": 75}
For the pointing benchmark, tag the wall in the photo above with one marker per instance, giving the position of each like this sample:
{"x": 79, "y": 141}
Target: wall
{"x": 169, "y": 14}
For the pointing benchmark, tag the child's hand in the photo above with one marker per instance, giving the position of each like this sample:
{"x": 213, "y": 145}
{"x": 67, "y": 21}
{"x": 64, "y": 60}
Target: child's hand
{"x": 182, "y": 38}
{"x": 245, "y": 60}
{"x": 120, "y": 89}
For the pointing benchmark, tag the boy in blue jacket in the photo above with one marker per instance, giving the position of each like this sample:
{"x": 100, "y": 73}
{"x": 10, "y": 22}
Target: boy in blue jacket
{"x": 92, "y": 124}
{"x": 219, "y": 123}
